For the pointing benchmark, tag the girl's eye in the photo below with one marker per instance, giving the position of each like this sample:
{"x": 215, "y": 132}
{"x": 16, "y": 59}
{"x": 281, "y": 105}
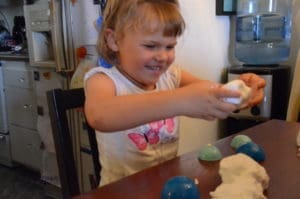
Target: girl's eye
{"x": 150, "y": 46}
{"x": 153, "y": 46}
{"x": 170, "y": 47}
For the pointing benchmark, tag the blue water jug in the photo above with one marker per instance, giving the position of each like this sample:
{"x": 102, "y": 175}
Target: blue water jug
{"x": 263, "y": 31}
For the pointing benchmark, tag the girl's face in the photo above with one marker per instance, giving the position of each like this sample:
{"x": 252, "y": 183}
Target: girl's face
{"x": 143, "y": 57}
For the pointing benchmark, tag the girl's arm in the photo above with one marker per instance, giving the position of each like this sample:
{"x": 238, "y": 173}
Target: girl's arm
{"x": 107, "y": 112}
{"x": 187, "y": 78}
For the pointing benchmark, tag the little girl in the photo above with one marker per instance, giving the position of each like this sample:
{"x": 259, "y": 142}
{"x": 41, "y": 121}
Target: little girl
{"x": 133, "y": 105}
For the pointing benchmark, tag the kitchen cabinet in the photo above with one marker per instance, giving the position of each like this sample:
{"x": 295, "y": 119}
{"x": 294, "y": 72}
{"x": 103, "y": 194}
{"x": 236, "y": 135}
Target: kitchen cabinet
{"x": 19, "y": 86}
{"x": 26, "y": 146}
{"x": 21, "y": 107}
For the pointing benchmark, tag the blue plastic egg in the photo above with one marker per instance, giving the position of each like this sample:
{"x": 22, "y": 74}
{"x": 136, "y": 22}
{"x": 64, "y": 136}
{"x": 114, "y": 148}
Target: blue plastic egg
{"x": 180, "y": 187}
{"x": 253, "y": 150}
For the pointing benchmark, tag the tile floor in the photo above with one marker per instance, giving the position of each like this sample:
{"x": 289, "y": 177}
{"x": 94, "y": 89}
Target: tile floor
{"x": 21, "y": 183}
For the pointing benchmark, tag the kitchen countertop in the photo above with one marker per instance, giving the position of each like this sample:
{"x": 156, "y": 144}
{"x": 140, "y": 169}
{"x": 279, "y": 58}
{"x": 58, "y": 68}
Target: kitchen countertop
{"x": 14, "y": 56}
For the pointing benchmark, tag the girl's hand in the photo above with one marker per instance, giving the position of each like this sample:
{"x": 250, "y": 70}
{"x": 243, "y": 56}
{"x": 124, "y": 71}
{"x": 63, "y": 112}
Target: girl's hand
{"x": 257, "y": 85}
{"x": 203, "y": 99}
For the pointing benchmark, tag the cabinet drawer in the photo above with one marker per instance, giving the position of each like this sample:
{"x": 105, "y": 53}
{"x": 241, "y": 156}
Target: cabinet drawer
{"x": 18, "y": 77}
{"x": 21, "y": 107}
{"x": 5, "y": 155}
{"x": 25, "y": 147}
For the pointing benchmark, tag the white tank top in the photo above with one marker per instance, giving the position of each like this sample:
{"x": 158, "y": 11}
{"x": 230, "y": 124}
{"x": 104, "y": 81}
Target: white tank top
{"x": 123, "y": 153}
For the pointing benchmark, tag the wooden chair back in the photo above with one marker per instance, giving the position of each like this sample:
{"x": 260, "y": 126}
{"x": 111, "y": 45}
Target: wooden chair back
{"x": 60, "y": 102}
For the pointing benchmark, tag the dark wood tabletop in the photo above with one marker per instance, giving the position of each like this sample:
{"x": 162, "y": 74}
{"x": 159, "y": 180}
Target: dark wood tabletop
{"x": 276, "y": 137}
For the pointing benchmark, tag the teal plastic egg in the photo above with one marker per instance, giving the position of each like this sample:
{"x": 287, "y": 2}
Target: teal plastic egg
{"x": 210, "y": 153}
{"x": 253, "y": 150}
{"x": 239, "y": 140}
{"x": 180, "y": 187}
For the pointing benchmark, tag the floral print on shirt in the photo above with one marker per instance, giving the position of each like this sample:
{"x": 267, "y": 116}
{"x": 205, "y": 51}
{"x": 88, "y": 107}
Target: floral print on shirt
{"x": 162, "y": 131}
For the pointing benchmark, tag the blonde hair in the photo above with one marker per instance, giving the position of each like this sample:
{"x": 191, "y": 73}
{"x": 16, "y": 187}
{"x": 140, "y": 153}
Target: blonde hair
{"x": 147, "y": 15}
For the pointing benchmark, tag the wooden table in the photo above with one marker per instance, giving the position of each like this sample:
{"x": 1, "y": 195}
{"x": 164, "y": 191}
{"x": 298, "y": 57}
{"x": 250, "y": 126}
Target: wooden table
{"x": 277, "y": 138}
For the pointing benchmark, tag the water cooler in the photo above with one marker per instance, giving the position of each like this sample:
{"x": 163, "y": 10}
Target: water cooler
{"x": 262, "y": 43}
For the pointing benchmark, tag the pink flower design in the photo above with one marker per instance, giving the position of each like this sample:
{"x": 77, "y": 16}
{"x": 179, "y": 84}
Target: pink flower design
{"x": 170, "y": 125}
{"x": 152, "y": 136}
{"x": 157, "y": 125}
{"x": 139, "y": 140}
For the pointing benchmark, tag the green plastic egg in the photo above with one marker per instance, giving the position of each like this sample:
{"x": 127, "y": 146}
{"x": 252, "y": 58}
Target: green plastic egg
{"x": 239, "y": 140}
{"x": 210, "y": 153}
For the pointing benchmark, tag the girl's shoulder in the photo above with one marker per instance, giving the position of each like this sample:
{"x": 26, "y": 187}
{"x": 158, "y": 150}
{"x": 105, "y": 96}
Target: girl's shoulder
{"x": 98, "y": 69}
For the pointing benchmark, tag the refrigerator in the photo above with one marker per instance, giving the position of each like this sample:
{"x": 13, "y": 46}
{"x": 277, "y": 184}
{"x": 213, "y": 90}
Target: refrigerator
{"x": 55, "y": 29}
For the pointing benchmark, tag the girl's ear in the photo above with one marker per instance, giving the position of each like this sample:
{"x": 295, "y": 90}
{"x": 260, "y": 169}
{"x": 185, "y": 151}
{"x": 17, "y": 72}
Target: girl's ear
{"x": 111, "y": 40}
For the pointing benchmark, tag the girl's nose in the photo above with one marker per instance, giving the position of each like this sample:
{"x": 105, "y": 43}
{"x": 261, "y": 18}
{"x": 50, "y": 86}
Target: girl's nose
{"x": 162, "y": 55}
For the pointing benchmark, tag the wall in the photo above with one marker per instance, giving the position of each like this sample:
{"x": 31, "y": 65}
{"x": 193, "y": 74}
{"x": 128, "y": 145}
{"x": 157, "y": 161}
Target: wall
{"x": 295, "y": 41}
{"x": 202, "y": 50}
{"x": 294, "y": 104}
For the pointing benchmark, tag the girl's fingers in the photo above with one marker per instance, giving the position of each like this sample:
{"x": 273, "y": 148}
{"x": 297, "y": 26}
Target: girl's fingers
{"x": 257, "y": 97}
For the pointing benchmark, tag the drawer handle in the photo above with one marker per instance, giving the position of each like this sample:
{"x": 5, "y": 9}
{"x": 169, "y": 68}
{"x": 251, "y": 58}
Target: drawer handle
{"x": 27, "y": 106}
{"x": 21, "y": 79}
{"x": 2, "y": 137}
{"x": 30, "y": 145}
